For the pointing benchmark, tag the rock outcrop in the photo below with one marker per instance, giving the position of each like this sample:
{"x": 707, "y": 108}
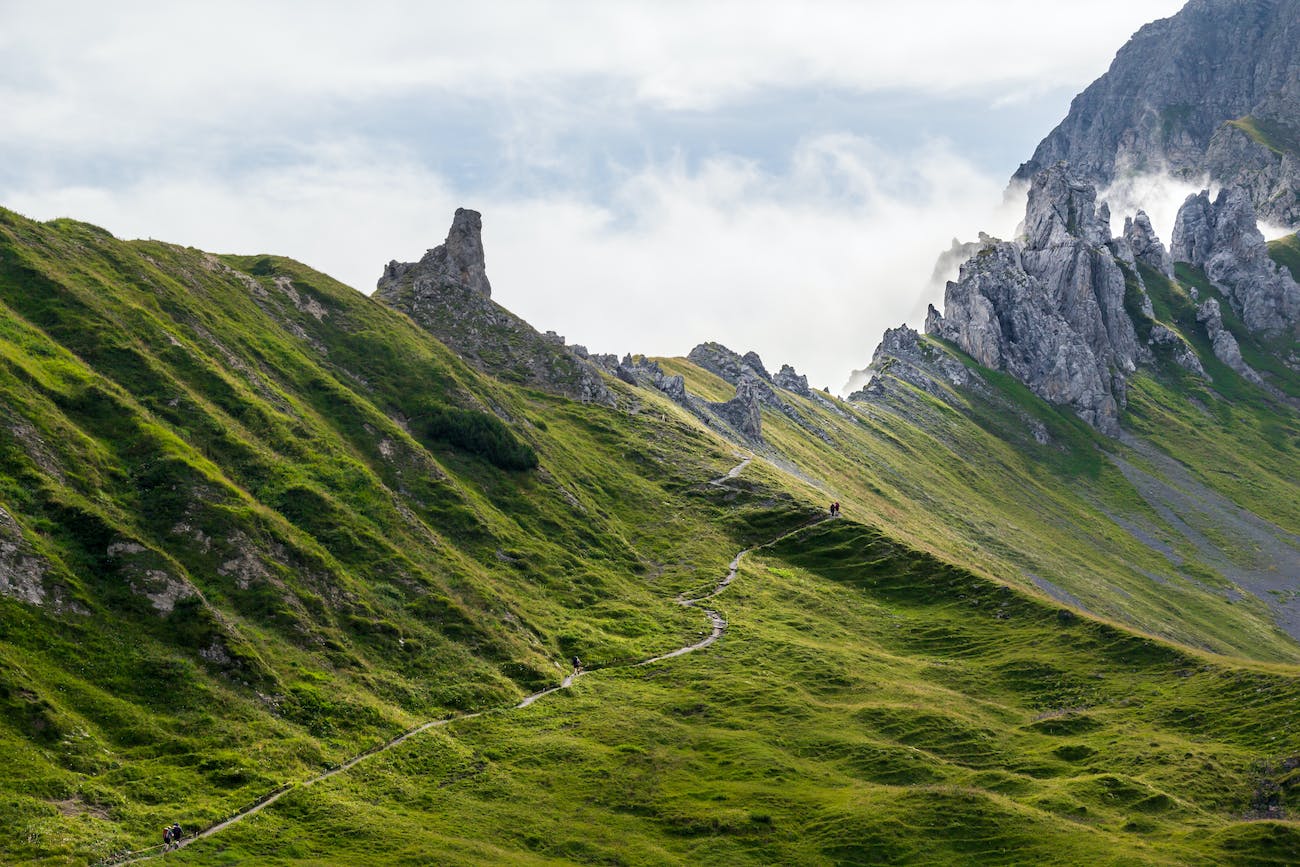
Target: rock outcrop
{"x": 1222, "y": 238}
{"x": 1145, "y": 246}
{"x": 1213, "y": 90}
{"x": 743, "y": 412}
{"x": 1226, "y": 348}
{"x": 448, "y": 294}
{"x": 905, "y": 356}
{"x": 1050, "y": 310}
{"x": 788, "y": 379}
{"x": 22, "y": 572}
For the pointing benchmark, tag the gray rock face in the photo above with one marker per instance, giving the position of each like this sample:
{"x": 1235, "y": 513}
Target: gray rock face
{"x": 1170, "y": 99}
{"x": 788, "y": 379}
{"x": 448, "y": 294}
{"x": 1222, "y": 237}
{"x": 742, "y": 412}
{"x": 1050, "y": 311}
{"x": 1145, "y": 246}
{"x": 1163, "y": 337}
{"x": 1226, "y": 348}
{"x": 22, "y": 573}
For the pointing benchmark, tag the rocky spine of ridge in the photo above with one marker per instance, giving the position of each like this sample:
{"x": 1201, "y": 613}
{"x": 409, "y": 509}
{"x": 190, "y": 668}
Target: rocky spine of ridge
{"x": 1050, "y": 310}
{"x": 1222, "y": 237}
{"x": 448, "y": 294}
{"x": 1211, "y": 91}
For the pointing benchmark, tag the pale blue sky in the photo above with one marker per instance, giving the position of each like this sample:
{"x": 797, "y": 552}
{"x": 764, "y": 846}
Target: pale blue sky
{"x": 776, "y": 176}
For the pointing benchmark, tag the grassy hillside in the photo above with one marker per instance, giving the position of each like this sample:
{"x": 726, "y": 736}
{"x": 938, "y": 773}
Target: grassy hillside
{"x": 251, "y": 562}
{"x": 255, "y": 523}
{"x": 870, "y": 705}
{"x": 1080, "y": 517}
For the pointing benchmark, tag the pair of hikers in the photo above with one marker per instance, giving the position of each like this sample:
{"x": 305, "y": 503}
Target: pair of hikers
{"x": 835, "y": 509}
{"x": 172, "y": 835}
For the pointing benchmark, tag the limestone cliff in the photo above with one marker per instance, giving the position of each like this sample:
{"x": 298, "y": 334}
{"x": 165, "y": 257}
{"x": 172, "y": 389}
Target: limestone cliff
{"x": 1212, "y": 91}
{"x": 1050, "y": 309}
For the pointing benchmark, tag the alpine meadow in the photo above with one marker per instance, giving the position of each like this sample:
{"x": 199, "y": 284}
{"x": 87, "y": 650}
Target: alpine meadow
{"x": 329, "y": 577}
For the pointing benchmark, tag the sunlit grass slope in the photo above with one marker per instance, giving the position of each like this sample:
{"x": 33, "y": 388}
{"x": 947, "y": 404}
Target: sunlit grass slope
{"x": 961, "y": 475}
{"x": 869, "y": 705}
{"x": 276, "y": 523}
{"x": 255, "y": 563}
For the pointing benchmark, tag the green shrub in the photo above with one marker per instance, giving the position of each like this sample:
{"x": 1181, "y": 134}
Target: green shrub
{"x": 475, "y": 432}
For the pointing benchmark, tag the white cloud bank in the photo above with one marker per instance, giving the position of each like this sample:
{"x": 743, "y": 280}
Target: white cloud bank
{"x": 83, "y": 74}
{"x": 807, "y": 267}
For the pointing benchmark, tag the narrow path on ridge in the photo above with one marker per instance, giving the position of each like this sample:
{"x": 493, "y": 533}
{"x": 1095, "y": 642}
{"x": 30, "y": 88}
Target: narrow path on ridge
{"x": 716, "y": 621}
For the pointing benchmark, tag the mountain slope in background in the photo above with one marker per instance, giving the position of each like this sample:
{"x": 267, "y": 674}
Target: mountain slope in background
{"x": 257, "y": 522}
{"x": 254, "y": 524}
{"x": 1212, "y": 92}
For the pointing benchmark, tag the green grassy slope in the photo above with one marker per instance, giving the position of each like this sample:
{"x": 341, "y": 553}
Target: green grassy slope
{"x": 963, "y": 477}
{"x": 277, "y": 524}
{"x": 869, "y": 705}
{"x": 252, "y": 570}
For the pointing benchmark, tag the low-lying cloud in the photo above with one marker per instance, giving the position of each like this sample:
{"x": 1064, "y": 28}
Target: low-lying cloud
{"x": 806, "y": 266}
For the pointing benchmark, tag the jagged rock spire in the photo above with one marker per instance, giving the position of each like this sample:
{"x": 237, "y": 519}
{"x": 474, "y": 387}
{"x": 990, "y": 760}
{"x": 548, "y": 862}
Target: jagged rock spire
{"x": 1146, "y": 247}
{"x": 459, "y": 260}
{"x": 1223, "y": 238}
{"x": 1049, "y": 311}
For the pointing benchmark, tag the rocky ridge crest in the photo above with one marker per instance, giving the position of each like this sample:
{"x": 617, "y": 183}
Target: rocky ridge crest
{"x": 1213, "y": 91}
{"x": 448, "y": 294}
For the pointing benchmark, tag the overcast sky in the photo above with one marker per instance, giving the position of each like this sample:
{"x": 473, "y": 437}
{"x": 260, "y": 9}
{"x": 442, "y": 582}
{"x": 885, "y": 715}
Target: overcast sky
{"x": 774, "y": 176}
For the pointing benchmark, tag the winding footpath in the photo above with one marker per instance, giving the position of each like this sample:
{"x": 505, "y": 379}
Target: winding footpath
{"x": 716, "y": 620}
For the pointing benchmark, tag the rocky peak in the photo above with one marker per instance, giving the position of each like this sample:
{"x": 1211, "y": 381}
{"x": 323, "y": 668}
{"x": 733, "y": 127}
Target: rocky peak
{"x": 461, "y": 255}
{"x": 457, "y": 261}
{"x": 1050, "y": 310}
{"x": 1222, "y": 237}
{"x": 448, "y": 294}
{"x": 1214, "y": 89}
{"x": 730, "y": 366}
{"x": 788, "y": 379}
{"x": 1063, "y": 208}
{"x": 754, "y": 363}
{"x": 1145, "y": 246}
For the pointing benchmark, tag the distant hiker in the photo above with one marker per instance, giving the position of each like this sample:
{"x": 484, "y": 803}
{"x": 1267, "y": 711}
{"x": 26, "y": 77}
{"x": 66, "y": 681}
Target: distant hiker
{"x": 177, "y": 834}
{"x": 837, "y": 508}
{"x": 832, "y": 510}
{"x": 167, "y": 838}
{"x": 577, "y": 664}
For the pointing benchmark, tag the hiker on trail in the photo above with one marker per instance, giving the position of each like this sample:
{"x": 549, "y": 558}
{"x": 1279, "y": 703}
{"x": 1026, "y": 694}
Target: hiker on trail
{"x": 167, "y": 837}
{"x": 177, "y": 834}
{"x": 837, "y": 508}
{"x": 577, "y": 664}
{"x": 832, "y": 510}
